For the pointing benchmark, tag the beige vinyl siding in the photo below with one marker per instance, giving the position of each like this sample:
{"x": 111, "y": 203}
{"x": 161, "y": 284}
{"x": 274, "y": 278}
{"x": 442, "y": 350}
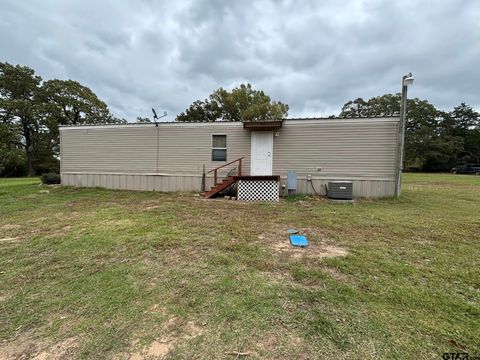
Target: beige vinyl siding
{"x": 105, "y": 150}
{"x": 132, "y": 149}
{"x": 184, "y": 149}
{"x": 342, "y": 148}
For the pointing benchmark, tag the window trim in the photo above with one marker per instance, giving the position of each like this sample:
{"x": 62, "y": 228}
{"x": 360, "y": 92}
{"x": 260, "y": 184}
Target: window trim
{"x": 219, "y": 148}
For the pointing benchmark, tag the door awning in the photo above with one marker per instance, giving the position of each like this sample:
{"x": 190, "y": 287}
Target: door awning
{"x": 263, "y": 125}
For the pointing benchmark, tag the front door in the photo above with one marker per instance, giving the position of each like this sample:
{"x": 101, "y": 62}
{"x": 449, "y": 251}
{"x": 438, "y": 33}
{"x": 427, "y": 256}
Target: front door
{"x": 261, "y": 152}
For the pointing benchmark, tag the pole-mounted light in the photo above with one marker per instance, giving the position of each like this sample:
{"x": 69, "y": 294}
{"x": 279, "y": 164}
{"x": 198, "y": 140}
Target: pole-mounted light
{"x": 408, "y": 79}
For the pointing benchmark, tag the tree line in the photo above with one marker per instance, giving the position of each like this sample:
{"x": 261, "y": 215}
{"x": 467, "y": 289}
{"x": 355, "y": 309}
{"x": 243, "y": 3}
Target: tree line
{"x": 435, "y": 140}
{"x": 32, "y": 109}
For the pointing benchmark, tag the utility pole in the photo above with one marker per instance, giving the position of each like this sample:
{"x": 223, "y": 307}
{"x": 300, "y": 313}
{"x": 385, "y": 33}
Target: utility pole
{"x": 406, "y": 81}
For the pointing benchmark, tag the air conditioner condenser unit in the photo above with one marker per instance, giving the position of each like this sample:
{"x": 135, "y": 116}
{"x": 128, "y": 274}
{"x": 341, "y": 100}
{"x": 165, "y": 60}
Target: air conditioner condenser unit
{"x": 340, "y": 190}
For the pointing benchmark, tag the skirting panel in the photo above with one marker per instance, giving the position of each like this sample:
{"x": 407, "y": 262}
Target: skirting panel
{"x": 168, "y": 183}
{"x": 373, "y": 189}
{"x": 137, "y": 182}
{"x": 258, "y": 190}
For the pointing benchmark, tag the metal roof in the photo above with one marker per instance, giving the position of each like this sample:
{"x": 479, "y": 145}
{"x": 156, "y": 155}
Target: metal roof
{"x": 223, "y": 121}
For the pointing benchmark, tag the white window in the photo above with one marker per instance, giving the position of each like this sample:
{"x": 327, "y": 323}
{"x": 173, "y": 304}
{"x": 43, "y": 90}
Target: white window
{"x": 219, "y": 147}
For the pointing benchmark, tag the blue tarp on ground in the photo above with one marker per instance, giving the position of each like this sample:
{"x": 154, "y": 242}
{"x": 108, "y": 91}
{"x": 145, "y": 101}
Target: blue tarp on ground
{"x": 298, "y": 240}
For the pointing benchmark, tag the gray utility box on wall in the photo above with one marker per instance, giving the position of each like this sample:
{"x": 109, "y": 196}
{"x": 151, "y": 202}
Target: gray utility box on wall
{"x": 340, "y": 190}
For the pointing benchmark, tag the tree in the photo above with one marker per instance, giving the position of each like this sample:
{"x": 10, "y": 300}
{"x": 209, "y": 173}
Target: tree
{"x": 433, "y": 139}
{"x": 241, "y": 104}
{"x": 465, "y": 118}
{"x": 421, "y": 135}
{"x": 68, "y": 102}
{"x": 9, "y": 145}
{"x": 143, "y": 120}
{"x": 71, "y": 103}
{"x": 31, "y": 112}
{"x": 385, "y": 105}
{"x": 472, "y": 146}
{"x": 200, "y": 111}
{"x": 466, "y": 124}
{"x": 20, "y": 106}
{"x": 355, "y": 108}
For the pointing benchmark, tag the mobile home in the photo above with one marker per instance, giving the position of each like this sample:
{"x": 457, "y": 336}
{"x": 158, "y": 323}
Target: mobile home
{"x": 174, "y": 156}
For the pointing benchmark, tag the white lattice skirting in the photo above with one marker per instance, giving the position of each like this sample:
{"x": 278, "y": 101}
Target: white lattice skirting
{"x": 258, "y": 190}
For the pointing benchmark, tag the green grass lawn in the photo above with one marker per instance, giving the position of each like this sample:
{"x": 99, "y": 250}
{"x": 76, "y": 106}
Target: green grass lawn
{"x": 93, "y": 273}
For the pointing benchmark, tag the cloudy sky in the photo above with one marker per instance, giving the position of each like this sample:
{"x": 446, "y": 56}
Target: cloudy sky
{"x": 313, "y": 55}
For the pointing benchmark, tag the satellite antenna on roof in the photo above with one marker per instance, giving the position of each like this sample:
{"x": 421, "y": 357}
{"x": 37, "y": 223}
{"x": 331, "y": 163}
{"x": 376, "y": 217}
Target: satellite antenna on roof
{"x": 156, "y": 117}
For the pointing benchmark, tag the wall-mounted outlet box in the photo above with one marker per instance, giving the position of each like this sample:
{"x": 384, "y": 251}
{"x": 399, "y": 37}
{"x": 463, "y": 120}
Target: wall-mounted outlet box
{"x": 309, "y": 177}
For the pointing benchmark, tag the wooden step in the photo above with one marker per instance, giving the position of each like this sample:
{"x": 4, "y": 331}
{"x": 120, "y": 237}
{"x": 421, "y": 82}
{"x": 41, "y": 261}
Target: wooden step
{"x": 219, "y": 187}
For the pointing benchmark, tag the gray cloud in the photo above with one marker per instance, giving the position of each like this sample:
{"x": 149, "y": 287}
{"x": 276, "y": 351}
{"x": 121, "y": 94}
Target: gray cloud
{"x": 313, "y": 55}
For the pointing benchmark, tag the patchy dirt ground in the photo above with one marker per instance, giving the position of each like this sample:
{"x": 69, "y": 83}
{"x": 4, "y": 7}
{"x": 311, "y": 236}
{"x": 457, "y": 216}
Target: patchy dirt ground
{"x": 11, "y": 226}
{"x": 28, "y": 346}
{"x": 312, "y": 250}
{"x": 174, "y": 332}
{"x": 320, "y": 246}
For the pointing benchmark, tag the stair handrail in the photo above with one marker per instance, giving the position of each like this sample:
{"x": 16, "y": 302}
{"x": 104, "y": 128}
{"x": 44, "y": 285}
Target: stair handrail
{"x": 231, "y": 162}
